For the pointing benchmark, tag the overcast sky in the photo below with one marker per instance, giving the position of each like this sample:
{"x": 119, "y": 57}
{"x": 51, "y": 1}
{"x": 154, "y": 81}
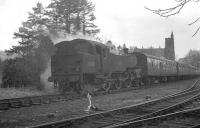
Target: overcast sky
{"x": 124, "y": 21}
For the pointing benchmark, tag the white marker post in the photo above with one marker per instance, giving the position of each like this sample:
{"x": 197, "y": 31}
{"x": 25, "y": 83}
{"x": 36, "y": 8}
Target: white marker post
{"x": 90, "y": 106}
{"x": 90, "y": 102}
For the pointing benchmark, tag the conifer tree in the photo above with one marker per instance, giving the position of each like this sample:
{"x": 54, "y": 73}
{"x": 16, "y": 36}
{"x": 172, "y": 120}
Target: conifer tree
{"x": 29, "y": 33}
{"x": 88, "y": 18}
{"x": 73, "y": 16}
{"x": 34, "y": 49}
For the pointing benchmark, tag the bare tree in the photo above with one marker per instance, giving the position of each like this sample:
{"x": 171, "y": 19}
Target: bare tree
{"x": 192, "y": 58}
{"x": 175, "y": 10}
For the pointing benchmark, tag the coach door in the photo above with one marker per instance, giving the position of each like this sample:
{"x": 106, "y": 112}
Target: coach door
{"x": 99, "y": 52}
{"x": 161, "y": 69}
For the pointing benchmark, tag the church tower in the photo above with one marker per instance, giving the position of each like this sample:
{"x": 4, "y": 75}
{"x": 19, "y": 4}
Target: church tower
{"x": 169, "y": 48}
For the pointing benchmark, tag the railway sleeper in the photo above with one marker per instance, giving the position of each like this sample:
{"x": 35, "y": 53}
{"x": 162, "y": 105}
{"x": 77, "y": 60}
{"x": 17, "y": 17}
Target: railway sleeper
{"x": 114, "y": 119}
{"x": 27, "y": 103}
{"x": 125, "y": 116}
{"x": 46, "y": 100}
{"x": 16, "y": 104}
{"x": 175, "y": 122}
{"x": 139, "y": 111}
{"x": 104, "y": 121}
{"x": 4, "y": 106}
{"x": 53, "y": 99}
{"x": 36, "y": 101}
{"x": 60, "y": 98}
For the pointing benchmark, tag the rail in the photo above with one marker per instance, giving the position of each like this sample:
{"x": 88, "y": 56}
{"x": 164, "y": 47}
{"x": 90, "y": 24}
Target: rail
{"x": 175, "y": 107}
{"x": 176, "y": 119}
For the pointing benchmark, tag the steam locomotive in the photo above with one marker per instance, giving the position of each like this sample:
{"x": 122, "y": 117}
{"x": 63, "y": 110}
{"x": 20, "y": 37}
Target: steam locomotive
{"x": 80, "y": 65}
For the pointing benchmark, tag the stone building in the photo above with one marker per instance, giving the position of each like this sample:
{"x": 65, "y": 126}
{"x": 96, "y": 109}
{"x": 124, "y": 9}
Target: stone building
{"x": 159, "y": 52}
{"x": 167, "y": 52}
{"x": 169, "y": 47}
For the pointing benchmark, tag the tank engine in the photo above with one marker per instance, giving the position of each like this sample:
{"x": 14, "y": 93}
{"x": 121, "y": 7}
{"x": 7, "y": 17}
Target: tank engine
{"x": 83, "y": 65}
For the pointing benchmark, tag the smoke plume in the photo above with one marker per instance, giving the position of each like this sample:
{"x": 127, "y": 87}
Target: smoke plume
{"x": 48, "y": 86}
{"x": 62, "y": 36}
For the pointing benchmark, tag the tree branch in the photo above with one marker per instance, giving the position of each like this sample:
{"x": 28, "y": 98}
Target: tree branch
{"x": 170, "y": 11}
{"x": 194, "y": 21}
{"x": 175, "y": 10}
{"x": 196, "y": 31}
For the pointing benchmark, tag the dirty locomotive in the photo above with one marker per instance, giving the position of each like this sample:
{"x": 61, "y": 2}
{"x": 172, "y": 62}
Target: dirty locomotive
{"x": 84, "y": 64}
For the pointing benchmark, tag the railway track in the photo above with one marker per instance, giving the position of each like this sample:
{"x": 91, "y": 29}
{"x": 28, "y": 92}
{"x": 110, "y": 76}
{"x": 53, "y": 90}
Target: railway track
{"x": 182, "y": 119}
{"x": 6, "y": 104}
{"x": 193, "y": 102}
{"x": 144, "y": 110}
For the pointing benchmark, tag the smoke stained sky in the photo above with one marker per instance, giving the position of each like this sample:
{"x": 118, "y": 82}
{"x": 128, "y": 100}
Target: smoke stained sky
{"x": 120, "y": 21}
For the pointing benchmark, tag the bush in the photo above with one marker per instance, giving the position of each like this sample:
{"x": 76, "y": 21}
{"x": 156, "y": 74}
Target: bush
{"x": 20, "y": 72}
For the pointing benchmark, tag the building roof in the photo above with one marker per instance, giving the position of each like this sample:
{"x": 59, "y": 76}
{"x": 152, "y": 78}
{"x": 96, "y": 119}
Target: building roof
{"x": 159, "y": 52}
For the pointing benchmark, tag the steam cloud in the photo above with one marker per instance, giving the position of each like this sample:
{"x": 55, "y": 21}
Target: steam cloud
{"x": 61, "y": 36}
{"x": 48, "y": 86}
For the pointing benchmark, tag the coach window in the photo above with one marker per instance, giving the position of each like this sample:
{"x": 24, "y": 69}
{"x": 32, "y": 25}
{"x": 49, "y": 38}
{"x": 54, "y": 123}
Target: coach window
{"x": 157, "y": 63}
{"x": 161, "y": 65}
{"x": 168, "y": 65}
{"x": 164, "y": 65}
{"x": 152, "y": 62}
{"x": 149, "y": 62}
